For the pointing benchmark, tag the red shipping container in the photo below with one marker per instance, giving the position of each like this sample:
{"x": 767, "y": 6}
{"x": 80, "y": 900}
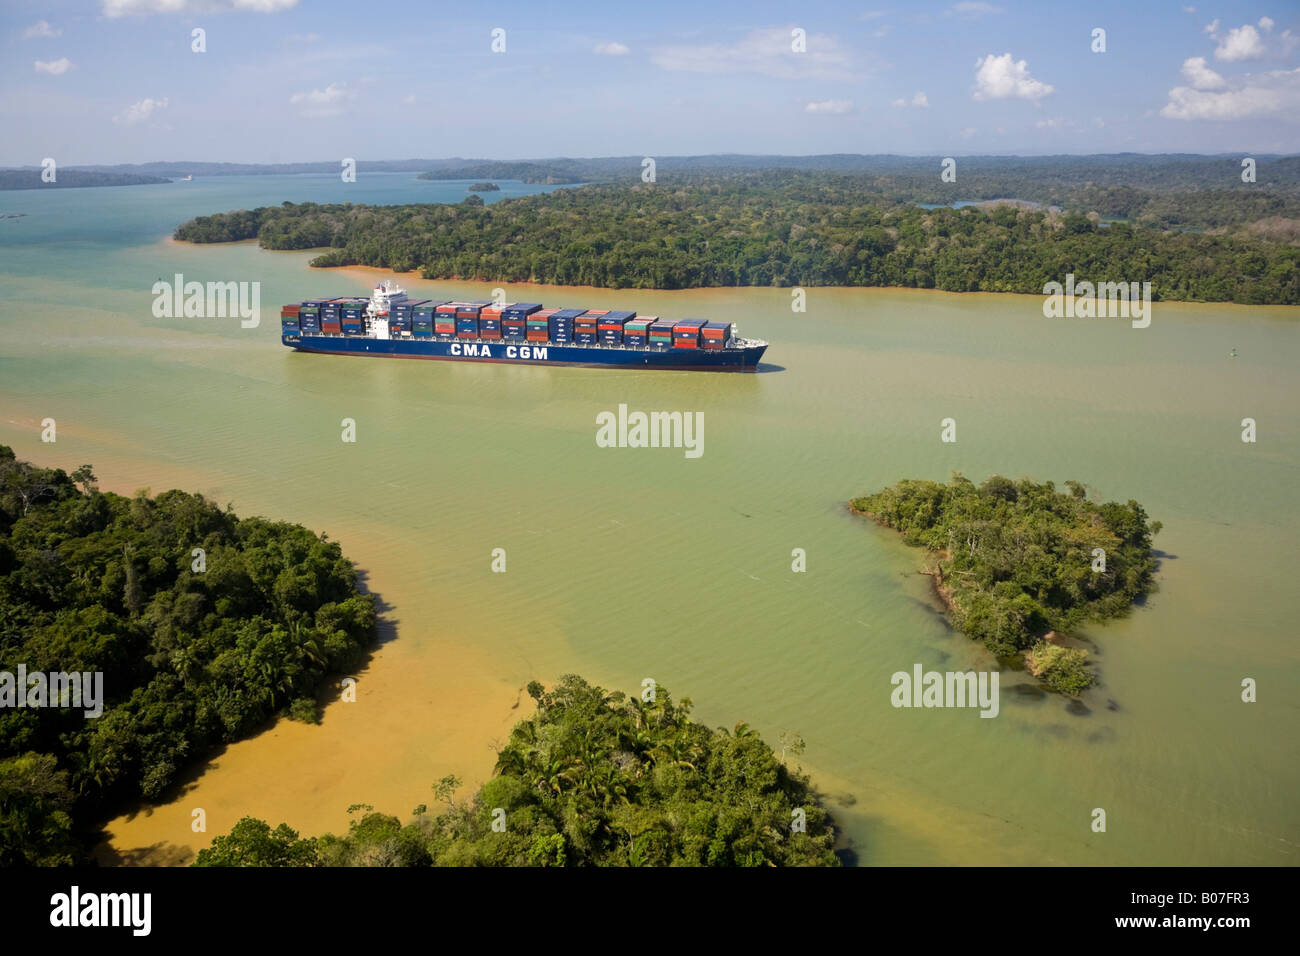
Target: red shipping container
{"x": 537, "y": 337}
{"x": 466, "y": 335}
{"x": 713, "y": 345}
{"x": 685, "y": 344}
{"x": 335, "y": 327}
{"x": 290, "y": 309}
{"x": 489, "y": 333}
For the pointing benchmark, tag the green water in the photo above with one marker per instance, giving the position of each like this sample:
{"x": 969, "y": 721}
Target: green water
{"x": 633, "y": 563}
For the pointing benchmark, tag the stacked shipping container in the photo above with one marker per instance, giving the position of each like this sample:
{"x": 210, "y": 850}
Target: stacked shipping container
{"x": 514, "y": 318}
{"x": 586, "y": 327}
{"x": 537, "y": 327}
{"x": 561, "y": 324}
{"x": 467, "y": 319}
{"x": 661, "y": 333}
{"x": 714, "y": 335}
{"x": 635, "y": 331}
{"x": 422, "y": 317}
{"x": 400, "y": 316}
{"x": 611, "y": 325}
{"x": 444, "y": 320}
{"x": 686, "y": 333}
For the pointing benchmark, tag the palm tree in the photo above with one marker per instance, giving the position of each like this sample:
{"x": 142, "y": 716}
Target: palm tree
{"x": 553, "y": 776}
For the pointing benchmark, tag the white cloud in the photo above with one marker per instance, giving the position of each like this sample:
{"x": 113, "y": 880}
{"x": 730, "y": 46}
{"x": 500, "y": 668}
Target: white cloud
{"x": 1241, "y": 43}
{"x": 765, "y": 51}
{"x": 971, "y": 9}
{"x": 140, "y": 111}
{"x": 920, "y": 101}
{"x": 54, "y": 67}
{"x": 1266, "y": 23}
{"x": 1200, "y": 76}
{"x": 872, "y": 15}
{"x": 41, "y": 28}
{"x": 610, "y": 49}
{"x": 1212, "y": 28}
{"x": 326, "y": 102}
{"x": 1189, "y": 9}
{"x": 127, "y": 8}
{"x": 829, "y": 106}
{"x": 1261, "y": 94}
{"x": 1001, "y": 77}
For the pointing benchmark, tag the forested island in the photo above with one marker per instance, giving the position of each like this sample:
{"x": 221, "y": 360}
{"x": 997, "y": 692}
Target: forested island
{"x": 485, "y": 188}
{"x": 789, "y": 228}
{"x": 203, "y": 624}
{"x": 73, "y": 179}
{"x": 546, "y": 172}
{"x": 1018, "y": 563}
{"x": 592, "y": 779}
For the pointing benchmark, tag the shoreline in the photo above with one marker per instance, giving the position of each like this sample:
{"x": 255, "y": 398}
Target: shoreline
{"x": 414, "y": 275}
{"x": 1022, "y": 660}
{"x": 304, "y": 774}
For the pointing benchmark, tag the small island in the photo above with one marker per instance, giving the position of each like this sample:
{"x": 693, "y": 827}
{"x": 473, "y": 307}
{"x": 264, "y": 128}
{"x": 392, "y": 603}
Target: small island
{"x": 1018, "y": 564}
{"x": 485, "y": 188}
{"x": 593, "y": 778}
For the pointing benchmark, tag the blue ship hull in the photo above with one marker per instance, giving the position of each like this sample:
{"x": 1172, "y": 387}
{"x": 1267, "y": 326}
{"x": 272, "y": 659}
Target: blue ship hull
{"x": 518, "y": 352}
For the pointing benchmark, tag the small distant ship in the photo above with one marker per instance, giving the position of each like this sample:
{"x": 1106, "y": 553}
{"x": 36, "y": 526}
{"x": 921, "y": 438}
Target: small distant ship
{"x": 522, "y": 333}
{"x": 186, "y": 179}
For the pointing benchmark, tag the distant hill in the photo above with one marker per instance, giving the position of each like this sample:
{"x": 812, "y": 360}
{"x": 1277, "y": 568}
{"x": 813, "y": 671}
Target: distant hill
{"x": 72, "y": 179}
{"x": 1045, "y": 179}
{"x": 180, "y": 168}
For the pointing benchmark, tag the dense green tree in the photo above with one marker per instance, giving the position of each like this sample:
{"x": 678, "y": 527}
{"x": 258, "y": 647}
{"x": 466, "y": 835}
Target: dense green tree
{"x": 786, "y": 228}
{"x": 36, "y": 813}
{"x": 595, "y": 778}
{"x": 1016, "y": 559}
{"x": 192, "y": 656}
{"x": 254, "y": 843}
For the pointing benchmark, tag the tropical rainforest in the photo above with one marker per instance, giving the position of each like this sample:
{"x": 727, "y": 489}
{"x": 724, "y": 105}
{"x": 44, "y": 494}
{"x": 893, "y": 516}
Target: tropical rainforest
{"x": 593, "y": 778}
{"x": 203, "y": 624}
{"x": 800, "y": 228}
{"x": 1015, "y": 560}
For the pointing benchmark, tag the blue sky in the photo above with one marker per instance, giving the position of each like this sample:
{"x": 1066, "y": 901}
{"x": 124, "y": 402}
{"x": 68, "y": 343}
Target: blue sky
{"x": 108, "y": 81}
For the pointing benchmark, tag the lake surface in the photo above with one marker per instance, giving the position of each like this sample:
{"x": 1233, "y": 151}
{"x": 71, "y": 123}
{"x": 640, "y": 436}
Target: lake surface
{"x": 631, "y": 563}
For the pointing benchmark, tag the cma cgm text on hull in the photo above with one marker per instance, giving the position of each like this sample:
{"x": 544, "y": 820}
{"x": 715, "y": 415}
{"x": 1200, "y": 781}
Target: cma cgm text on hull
{"x": 391, "y": 323}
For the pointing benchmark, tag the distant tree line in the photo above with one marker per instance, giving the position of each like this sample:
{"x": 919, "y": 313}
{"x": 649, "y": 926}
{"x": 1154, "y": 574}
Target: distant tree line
{"x": 592, "y": 779}
{"x": 196, "y": 649}
{"x": 782, "y": 228}
{"x": 72, "y": 179}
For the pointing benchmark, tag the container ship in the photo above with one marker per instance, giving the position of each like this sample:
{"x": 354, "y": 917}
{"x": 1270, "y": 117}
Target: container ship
{"x": 519, "y": 333}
